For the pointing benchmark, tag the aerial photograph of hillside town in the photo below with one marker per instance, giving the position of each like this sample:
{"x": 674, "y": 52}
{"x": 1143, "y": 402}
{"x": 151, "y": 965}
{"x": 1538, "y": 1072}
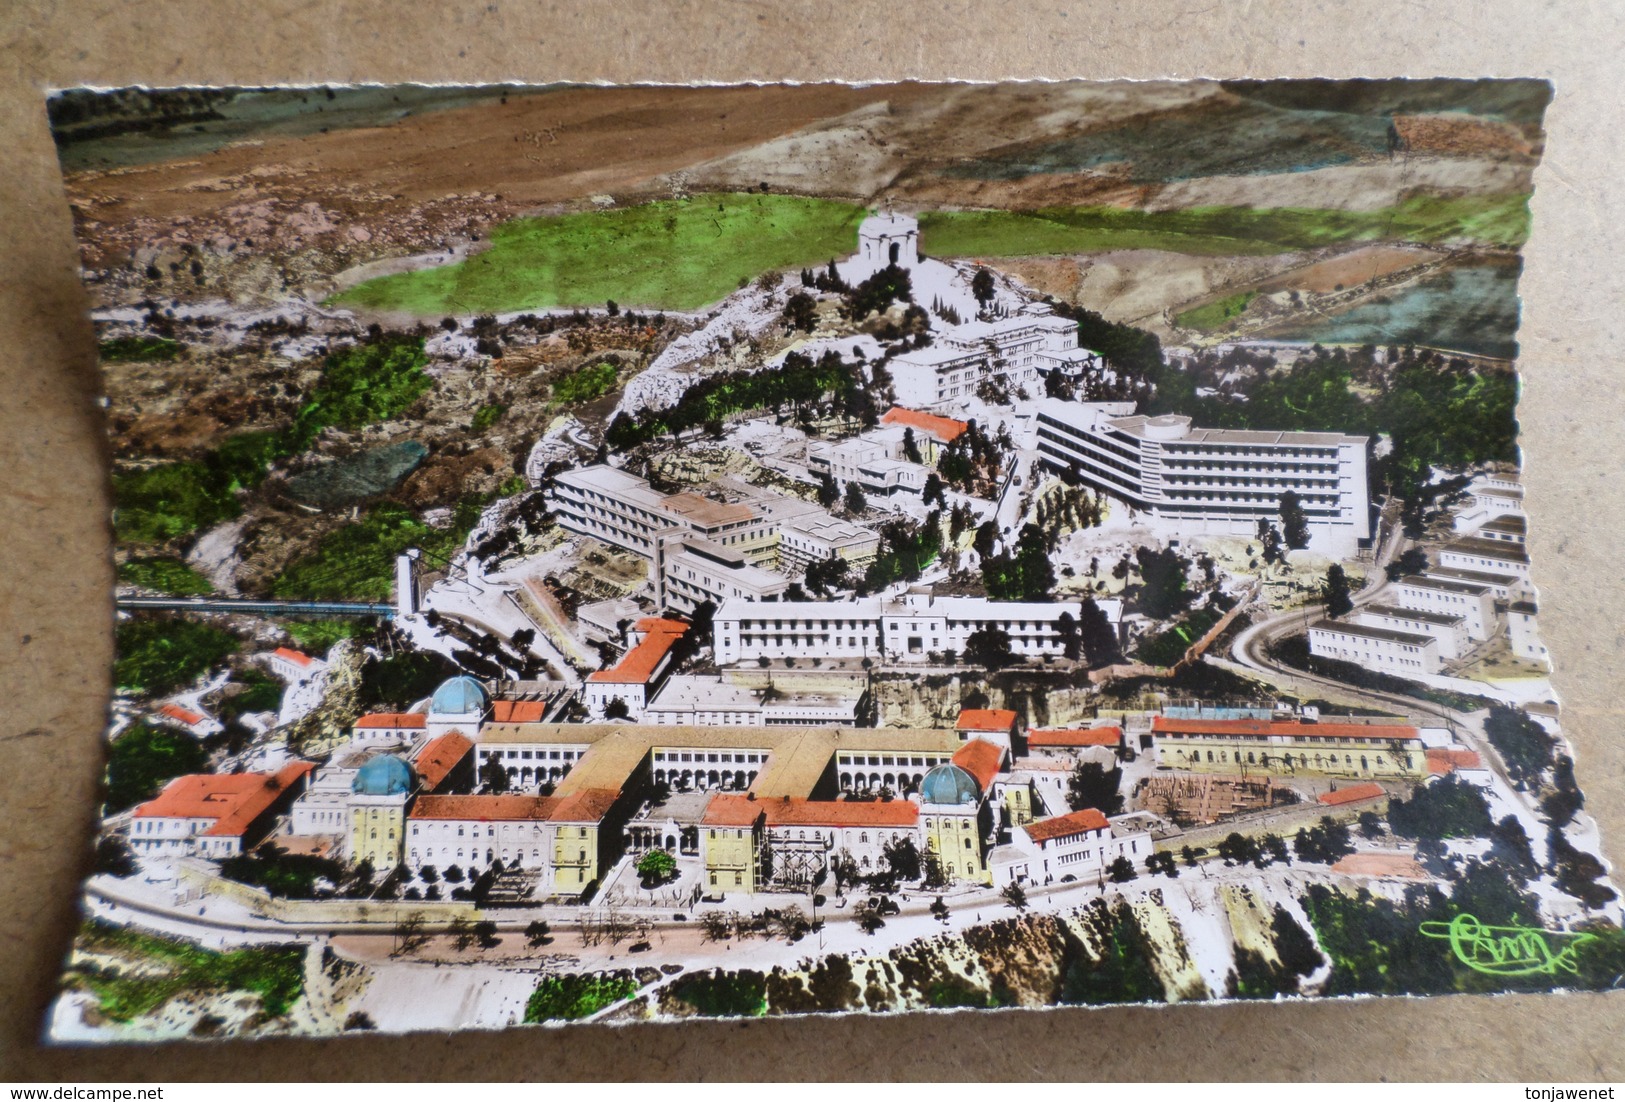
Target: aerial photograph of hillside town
{"x": 634, "y": 553}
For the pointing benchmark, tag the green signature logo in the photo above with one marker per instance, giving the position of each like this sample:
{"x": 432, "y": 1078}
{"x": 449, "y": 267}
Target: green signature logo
{"x": 1509, "y": 950}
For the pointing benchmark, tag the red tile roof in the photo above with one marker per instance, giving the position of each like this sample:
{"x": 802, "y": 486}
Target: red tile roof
{"x": 1353, "y": 794}
{"x": 1291, "y": 728}
{"x": 987, "y": 719}
{"x": 587, "y": 806}
{"x": 386, "y": 720}
{"x": 440, "y": 756}
{"x": 1076, "y": 736}
{"x": 298, "y": 658}
{"x": 1065, "y": 826}
{"x": 639, "y": 664}
{"x": 981, "y": 759}
{"x": 1398, "y": 865}
{"x": 518, "y": 711}
{"x": 1445, "y": 760}
{"x": 232, "y": 800}
{"x": 590, "y": 805}
{"x": 505, "y": 808}
{"x": 185, "y": 715}
{"x": 840, "y": 813}
{"x": 725, "y": 810}
{"x": 945, "y": 429}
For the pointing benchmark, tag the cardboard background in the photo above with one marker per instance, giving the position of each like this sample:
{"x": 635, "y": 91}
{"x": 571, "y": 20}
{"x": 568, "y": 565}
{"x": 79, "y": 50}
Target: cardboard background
{"x": 55, "y": 573}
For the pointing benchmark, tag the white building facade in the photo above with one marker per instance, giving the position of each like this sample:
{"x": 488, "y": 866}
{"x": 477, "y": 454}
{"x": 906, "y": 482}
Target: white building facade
{"x": 1017, "y": 351}
{"x": 1475, "y": 604}
{"x": 1375, "y": 648}
{"x": 1222, "y": 481}
{"x": 1450, "y": 631}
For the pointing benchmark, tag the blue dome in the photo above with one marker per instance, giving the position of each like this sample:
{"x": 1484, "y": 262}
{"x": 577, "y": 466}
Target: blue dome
{"x": 385, "y": 775}
{"x": 949, "y": 784}
{"x": 461, "y": 696}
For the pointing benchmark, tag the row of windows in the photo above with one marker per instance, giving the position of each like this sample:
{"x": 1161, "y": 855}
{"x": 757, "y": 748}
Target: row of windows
{"x": 667, "y": 757}
{"x": 537, "y": 755}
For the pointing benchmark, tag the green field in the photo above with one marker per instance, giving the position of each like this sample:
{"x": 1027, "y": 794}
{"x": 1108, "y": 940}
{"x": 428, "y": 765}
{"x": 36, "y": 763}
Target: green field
{"x": 675, "y": 255}
{"x": 1215, "y": 314}
{"x": 681, "y": 255}
{"x": 1223, "y": 231}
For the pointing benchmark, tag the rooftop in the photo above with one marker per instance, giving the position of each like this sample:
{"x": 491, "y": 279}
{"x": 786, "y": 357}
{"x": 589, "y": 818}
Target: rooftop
{"x": 1502, "y": 550}
{"x": 1075, "y": 736}
{"x": 733, "y": 810}
{"x": 1445, "y": 585}
{"x": 1481, "y": 578}
{"x": 1448, "y": 759}
{"x": 1418, "y": 615}
{"x": 1512, "y": 523}
{"x": 232, "y": 800}
{"x": 298, "y": 658}
{"x": 1281, "y": 728}
{"x": 981, "y": 759}
{"x": 1065, "y": 826}
{"x": 518, "y": 711}
{"x": 440, "y": 756}
{"x": 1138, "y": 424}
{"x": 945, "y": 429}
{"x": 1366, "y": 631}
{"x": 184, "y": 715}
{"x": 409, "y": 721}
{"x": 1353, "y": 794}
{"x": 639, "y": 664}
{"x": 986, "y": 719}
{"x": 705, "y": 512}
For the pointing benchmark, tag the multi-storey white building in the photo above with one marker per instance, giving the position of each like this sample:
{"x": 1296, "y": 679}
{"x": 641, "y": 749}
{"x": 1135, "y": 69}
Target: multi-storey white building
{"x": 724, "y": 768}
{"x": 1450, "y": 631}
{"x": 1223, "y": 481}
{"x": 213, "y": 816}
{"x": 1375, "y": 648}
{"x": 1018, "y": 350}
{"x": 689, "y": 571}
{"x": 1491, "y": 496}
{"x": 633, "y": 679}
{"x": 1502, "y": 587}
{"x": 1475, "y": 604}
{"x": 1523, "y": 634}
{"x": 693, "y": 700}
{"x": 819, "y": 537}
{"x": 873, "y": 460}
{"x": 532, "y": 754}
{"x": 1489, "y": 556}
{"x": 1081, "y": 845}
{"x": 909, "y": 628}
{"x": 621, "y": 509}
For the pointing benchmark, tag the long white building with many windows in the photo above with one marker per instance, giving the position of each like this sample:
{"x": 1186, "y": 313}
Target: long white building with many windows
{"x": 1017, "y": 351}
{"x": 910, "y": 628}
{"x": 1192, "y": 481}
{"x": 1375, "y": 648}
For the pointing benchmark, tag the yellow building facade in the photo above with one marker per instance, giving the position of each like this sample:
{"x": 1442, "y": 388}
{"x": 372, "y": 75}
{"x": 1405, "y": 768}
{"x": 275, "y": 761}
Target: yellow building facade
{"x": 575, "y": 857}
{"x": 1289, "y": 749}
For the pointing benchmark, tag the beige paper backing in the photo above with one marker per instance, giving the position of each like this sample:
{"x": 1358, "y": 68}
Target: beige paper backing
{"x": 55, "y": 577}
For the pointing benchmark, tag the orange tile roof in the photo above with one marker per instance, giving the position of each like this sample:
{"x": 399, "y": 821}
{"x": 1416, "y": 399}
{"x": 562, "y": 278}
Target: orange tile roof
{"x": 1353, "y": 794}
{"x": 518, "y": 711}
{"x": 796, "y": 811}
{"x": 505, "y": 808}
{"x": 639, "y": 664}
{"x": 1065, "y": 826}
{"x": 986, "y": 719}
{"x": 1293, "y": 728}
{"x": 298, "y": 658}
{"x": 404, "y": 720}
{"x": 981, "y": 759}
{"x": 1443, "y": 760}
{"x": 440, "y": 756}
{"x": 945, "y": 429}
{"x": 726, "y": 810}
{"x": 232, "y": 800}
{"x": 185, "y": 715}
{"x": 590, "y": 805}
{"x": 1076, "y": 736}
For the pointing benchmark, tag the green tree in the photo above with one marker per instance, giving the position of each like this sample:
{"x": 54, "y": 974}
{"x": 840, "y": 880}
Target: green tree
{"x": 854, "y": 500}
{"x": 1524, "y": 745}
{"x": 981, "y": 285}
{"x": 1294, "y": 523}
{"x": 656, "y": 867}
{"x": 494, "y": 776}
{"x": 903, "y": 859}
{"x": 157, "y": 655}
{"x": 143, "y": 759}
{"x": 1121, "y": 870}
{"x": 801, "y": 312}
{"x": 1099, "y": 638}
{"x": 1015, "y": 895}
{"x": 828, "y": 492}
{"x": 538, "y": 933}
{"x": 1092, "y": 785}
{"x": 989, "y": 647}
{"x": 1335, "y": 593}
{"x": 461, "y": 930}
{"x": 1164, "y": 595}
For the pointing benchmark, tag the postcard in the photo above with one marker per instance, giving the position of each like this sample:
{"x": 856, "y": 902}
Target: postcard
{"x": 633, "y": 553}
